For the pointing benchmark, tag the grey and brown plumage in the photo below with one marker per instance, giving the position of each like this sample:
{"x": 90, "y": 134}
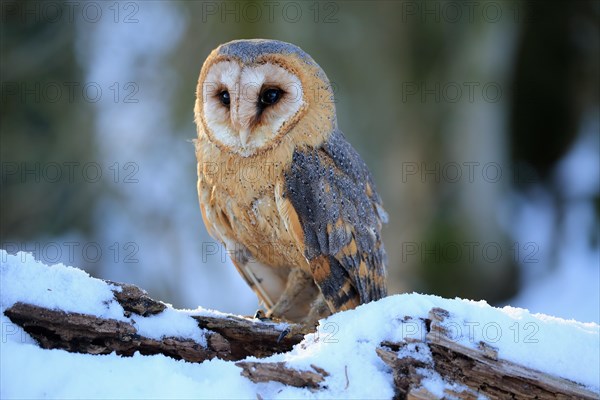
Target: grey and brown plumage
{"x": 280, "y": 186}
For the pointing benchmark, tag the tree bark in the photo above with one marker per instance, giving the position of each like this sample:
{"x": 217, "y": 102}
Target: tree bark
{"x": 476, "y": 371}
{"x": 229, "y": 337}
{"x": 279, "y": 372}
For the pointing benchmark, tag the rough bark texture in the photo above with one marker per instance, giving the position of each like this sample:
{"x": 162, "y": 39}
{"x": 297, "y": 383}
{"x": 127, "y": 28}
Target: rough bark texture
{"x": 279, "y": 372}
{"x": 482, "y": 371}
{"x": 245, "y": 337}
{"x": 476, "y": 371}
{"x": 228, "y": 337}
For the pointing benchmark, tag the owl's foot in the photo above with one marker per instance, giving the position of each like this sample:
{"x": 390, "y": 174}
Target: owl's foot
{"x": 297, "y": 329}
{"x": 260, "y": 314}
{"x": 318, "y": 310}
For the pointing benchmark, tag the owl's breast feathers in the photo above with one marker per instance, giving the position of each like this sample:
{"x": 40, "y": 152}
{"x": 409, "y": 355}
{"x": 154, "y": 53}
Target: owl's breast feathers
{"x": 316, "y": 209}
{"x": 340, "y": 214}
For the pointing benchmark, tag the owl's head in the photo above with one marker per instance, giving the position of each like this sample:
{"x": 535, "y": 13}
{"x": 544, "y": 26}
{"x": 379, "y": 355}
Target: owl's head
{"x": 252, "y": 93}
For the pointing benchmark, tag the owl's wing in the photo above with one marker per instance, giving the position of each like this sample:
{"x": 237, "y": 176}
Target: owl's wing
{"x": 330, "y": 197}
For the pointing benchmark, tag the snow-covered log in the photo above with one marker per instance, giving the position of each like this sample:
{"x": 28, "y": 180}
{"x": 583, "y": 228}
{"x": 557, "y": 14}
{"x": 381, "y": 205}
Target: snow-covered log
{"x": 227, "y": 337}
{"x": 406, "y": 346}
{"x": 479, "y": 369}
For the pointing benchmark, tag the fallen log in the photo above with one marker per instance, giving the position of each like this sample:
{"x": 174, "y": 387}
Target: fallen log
{"x": 471, "y": 372}
{"x": 228, "y": 337}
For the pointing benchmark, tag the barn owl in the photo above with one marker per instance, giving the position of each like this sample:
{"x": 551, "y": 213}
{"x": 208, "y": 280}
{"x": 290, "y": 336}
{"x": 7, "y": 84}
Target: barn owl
{"x": 290, "y": 199}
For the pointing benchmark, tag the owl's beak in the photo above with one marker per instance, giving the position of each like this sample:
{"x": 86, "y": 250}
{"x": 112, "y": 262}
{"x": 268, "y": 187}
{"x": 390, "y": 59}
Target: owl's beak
{"x": 244, "y": 133}
{"x": 242, "y": 128}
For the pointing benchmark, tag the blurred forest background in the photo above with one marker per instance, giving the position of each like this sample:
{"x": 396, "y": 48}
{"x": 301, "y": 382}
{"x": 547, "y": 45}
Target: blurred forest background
{"x": 479, "y": 121}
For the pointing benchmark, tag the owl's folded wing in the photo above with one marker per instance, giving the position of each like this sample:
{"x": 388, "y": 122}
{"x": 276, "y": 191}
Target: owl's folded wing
{"x": 330, "y": 197}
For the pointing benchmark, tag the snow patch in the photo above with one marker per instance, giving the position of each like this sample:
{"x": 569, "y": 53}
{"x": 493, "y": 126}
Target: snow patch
{"x": 344, "y": 345}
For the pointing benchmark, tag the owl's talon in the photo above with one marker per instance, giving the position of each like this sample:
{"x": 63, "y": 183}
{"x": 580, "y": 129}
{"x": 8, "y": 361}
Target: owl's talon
{"x": 260, "y": 314}
{"x": 283, "y": 334}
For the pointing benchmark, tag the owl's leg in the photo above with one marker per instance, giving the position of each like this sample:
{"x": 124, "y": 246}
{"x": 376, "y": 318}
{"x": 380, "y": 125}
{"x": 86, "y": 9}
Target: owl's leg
{"x": 297, "y": 281}
{"x": 318, "y": 309}
{"x": 263, "y": 280}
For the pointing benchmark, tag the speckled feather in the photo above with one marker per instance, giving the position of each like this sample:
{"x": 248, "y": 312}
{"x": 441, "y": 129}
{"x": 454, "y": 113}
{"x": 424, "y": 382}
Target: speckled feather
{"x": 334, "y": 196}
{"x": 249, "y": 50}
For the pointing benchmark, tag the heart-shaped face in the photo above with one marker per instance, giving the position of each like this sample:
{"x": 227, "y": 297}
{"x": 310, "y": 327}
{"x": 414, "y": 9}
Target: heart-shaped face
{"x": 251, "y": 93}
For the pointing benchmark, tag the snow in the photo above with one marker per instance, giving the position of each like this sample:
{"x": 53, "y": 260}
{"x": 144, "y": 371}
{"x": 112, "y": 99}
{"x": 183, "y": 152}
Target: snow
{"x": 562, "y": 278}
{"x": 344, "y": 345}
{"x": 70, "y": 289}
{"x": 169, "y": 323}
{"x": 572, "y": 288}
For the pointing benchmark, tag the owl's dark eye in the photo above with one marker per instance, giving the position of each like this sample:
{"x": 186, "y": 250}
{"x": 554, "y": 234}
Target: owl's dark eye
{"x": 224, "y": 98}
{"x": 270, "y": 97}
